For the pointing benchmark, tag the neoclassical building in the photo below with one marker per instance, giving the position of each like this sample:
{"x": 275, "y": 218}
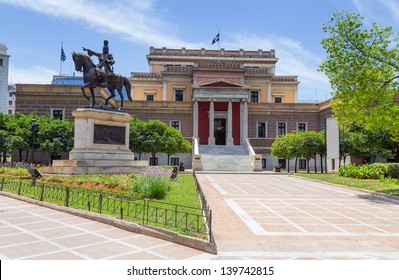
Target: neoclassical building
{"x": 222, "y": 100}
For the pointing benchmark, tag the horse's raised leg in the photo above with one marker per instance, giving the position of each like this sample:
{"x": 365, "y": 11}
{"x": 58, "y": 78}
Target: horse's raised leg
{"x": 84, "y": 93}
{"x": 121, "y": 95}
{"x": 93, "y": 98}
{"x": 111, "y": 91}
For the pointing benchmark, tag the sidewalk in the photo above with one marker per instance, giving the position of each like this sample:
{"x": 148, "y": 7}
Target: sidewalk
{"x": 255, "y": 216}
{"x": 263, "y": 216}
{"x": 29, "y": 232}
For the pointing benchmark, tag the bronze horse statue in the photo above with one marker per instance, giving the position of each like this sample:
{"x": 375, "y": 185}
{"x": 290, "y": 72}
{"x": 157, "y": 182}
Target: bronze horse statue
{"x": 94, "y": 77}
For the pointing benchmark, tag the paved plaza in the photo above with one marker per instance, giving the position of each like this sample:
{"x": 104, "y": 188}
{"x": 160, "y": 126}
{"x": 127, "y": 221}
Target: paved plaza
{"x": 282, "y": 217}
{"x": 255, "y": 216}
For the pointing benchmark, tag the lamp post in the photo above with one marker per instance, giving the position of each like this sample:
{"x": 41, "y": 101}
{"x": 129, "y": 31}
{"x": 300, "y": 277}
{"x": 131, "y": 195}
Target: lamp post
{"x": 34, "y": 128}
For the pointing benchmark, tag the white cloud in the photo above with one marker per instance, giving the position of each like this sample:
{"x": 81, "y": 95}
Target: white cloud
{"x": 294, "y": 60}
{"x": 134, "y": 20}
{"x": 34, "y": 75}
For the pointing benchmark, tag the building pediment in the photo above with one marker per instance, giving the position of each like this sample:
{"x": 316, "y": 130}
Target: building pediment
{"x": 220, "y": 83}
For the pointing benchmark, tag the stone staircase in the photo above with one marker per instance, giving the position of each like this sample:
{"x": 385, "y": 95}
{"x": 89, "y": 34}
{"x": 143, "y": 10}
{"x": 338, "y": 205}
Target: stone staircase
{"x": 225, "y": 158}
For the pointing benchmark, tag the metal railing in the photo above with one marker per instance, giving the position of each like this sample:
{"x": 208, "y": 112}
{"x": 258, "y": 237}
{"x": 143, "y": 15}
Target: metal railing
{"x": 193, "y": 221}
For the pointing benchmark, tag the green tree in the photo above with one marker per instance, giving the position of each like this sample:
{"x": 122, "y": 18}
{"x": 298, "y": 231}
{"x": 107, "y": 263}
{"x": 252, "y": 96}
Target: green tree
{"x": 4, "y": 136}
{"x": 288, "y": 146}
{"x": 310, "y": 146}
{"x": 175, "y": 143}
{"x": 20, "y": 129}
{"x": 137, "y": 136}
{"x": 55, "y": 136}
{"x": 363, "y": 66}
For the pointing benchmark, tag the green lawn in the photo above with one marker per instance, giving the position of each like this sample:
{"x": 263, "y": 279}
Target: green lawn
{"x": 387, "y": 186}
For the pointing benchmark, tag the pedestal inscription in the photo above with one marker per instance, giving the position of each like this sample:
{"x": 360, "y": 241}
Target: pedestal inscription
{"x": 105, "y": 134}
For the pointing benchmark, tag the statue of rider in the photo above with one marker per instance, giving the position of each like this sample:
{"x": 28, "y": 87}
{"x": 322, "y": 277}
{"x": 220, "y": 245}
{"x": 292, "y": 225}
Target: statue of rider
{"x": 105, "y": 61}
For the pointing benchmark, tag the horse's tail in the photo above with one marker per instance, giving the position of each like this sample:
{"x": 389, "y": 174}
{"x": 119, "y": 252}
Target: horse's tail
{"x": 128, "y": 87}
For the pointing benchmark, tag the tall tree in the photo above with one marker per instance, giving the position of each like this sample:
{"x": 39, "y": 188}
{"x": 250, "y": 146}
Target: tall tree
{"x": 363, "y": 67}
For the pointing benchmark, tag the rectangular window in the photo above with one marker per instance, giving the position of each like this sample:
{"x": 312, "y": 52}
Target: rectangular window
{"x": 281, "y": 129}
{"x": 175, "y": 124}
{"x": 282, "y": 163}
{"x": 302, "y": 163}
{"x": 10, "y": 112}
{"x": 57, "y": 114}
{"x": 1, "y": 62}
{"x": 301, "y": 127}
{"x": 179, "y": 95}
{"x": 263, "y": 163}
{"x": 255, "y": 96}
{"x": 174, "y": 161}
{"x": 278, "y": 100}
{"x": 150, "y": 97}
{"x": 10, "y": 102}
{"x": 261, "y": 130}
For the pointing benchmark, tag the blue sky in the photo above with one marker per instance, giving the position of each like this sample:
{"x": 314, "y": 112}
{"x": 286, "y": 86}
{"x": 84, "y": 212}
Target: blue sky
{"x": 34, "y": 29}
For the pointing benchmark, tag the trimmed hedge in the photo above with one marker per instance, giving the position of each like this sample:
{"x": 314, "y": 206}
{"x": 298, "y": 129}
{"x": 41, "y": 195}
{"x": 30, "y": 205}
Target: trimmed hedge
{"x": 370, "y": 171}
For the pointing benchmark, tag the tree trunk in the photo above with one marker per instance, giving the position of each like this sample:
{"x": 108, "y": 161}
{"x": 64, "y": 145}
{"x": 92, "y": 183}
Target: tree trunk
{"x": 20, "y": 155}
{"x": 307, "y": 160}
{"x": 321, "y": 163}
{"x": 296, "y": 162}
{"x": 315, "y": 164}
{"x": 288, "y": 162}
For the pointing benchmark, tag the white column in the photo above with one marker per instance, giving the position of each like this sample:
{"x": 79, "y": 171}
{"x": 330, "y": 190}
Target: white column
{"x": 230, "y": 140}
{"x": 195, "y": 119}
{"x": 245, "y": 127}
{"x": 211, "y": 139}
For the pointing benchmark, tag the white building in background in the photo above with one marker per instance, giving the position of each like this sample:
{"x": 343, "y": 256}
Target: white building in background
{"x": 11, "y": 99}
{"x": 4, "y": 94}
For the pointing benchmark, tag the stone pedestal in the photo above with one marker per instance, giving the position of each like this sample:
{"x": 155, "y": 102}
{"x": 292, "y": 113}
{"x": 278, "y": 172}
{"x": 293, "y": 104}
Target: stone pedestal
{"x": 101, "y": 145}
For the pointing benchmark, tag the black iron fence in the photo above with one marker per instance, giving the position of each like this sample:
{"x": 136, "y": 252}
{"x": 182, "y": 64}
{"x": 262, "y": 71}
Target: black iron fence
{"x": 184, "y": 219}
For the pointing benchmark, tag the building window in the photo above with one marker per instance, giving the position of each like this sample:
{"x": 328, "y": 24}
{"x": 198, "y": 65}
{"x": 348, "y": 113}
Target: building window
{"x": 57, "y": 114}
{"x": 174, "y": 161}
{"x": 263, "y": 163}
{"x": 301, "y": 127}
{"x": 281, "y": 129}
{"x": 255, "y": 96}
{"x": 179, "y": 95}
{"x": 282, "y": 163}
{"x": 1, "y": 62}
{"x": 10, "y": 112}
{"x": 175, "y": 124}
{"x": 150, "y": 97}
{"x": 261, "y": 130}
{"x": 302, "y": 163}
{"x": 278, "y": 100}
{"x": 10, "y": 102}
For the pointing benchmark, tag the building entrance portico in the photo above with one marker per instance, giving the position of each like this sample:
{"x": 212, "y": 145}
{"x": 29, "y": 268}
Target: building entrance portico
{"x": 218, "y": 113}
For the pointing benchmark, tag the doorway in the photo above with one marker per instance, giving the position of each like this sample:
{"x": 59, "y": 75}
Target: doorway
{"x": 220, "y": 131}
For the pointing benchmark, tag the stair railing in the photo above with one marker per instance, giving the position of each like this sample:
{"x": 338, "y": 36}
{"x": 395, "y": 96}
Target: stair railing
{"x": 196, "y": 156}
{"x": 255, "y": 159}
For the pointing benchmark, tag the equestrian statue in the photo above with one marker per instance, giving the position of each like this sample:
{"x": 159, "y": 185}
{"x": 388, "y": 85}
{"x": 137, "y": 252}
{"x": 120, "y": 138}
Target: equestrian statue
{"x": 100, "y": 75}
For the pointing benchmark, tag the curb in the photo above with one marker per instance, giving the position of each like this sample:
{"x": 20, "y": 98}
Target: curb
{"x": 163, "y": 234}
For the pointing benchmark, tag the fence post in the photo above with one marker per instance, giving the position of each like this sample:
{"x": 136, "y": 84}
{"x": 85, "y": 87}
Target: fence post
{"x": 2, "y": 184}
{"x": 19, "y": 187}
{"x": 100, "y": 202}
{"x": 66, "y": 197}
{"x": 121, "y": 213}
{"x": 210, "y": 227}
{"x": 42, "y": 192}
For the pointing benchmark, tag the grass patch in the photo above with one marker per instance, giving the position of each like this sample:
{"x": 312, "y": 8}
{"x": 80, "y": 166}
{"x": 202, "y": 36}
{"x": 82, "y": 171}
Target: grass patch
{"x": 386, "y": 186}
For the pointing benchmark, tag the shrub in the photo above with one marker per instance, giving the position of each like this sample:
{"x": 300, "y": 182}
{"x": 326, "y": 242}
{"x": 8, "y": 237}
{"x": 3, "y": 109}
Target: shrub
{"x": 370, "y": 171}
{"x": 151, "y": 186}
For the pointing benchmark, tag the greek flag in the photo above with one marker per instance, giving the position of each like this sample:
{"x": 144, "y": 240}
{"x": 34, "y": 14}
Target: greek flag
{"x": 63, "y": 57}
{"x": 216, "y": 39}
